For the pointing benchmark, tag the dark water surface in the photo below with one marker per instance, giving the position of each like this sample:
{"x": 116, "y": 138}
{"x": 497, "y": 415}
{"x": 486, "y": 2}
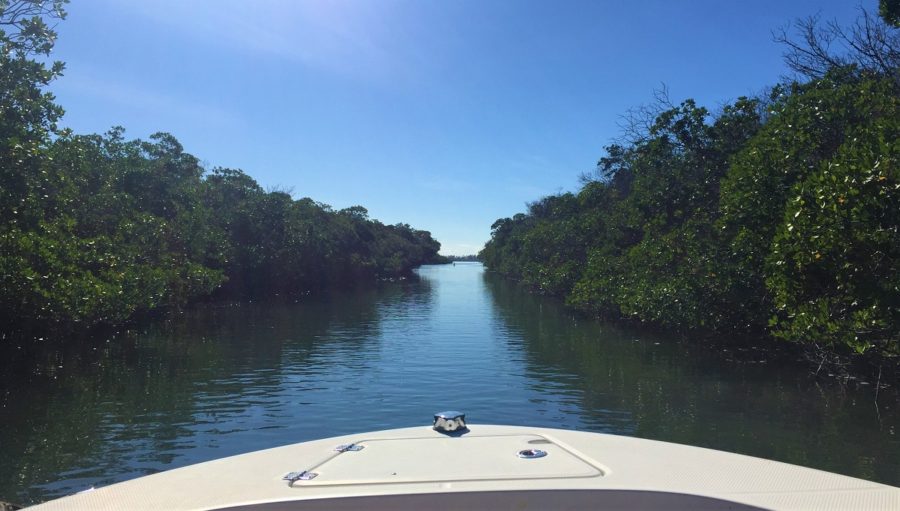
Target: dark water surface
{"x": 223, "y": 380}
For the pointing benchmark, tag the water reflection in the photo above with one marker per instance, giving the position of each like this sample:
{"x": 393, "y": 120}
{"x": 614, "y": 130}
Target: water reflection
{"x": 659, "y": 388}
{"x": 220, "y": 380}
{"x": 212, "y": 382}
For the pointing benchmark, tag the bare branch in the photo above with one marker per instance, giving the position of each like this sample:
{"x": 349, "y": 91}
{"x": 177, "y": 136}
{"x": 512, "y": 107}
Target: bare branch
{"x": 811, "y": 56}
{"x": 813, "y": 49}
{"x": 635, "y": 124}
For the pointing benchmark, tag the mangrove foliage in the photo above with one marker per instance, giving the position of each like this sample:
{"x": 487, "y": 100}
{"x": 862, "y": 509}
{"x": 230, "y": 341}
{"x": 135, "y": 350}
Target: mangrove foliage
{"x": 96, "y": 228}
{"x": 776, "y": 214}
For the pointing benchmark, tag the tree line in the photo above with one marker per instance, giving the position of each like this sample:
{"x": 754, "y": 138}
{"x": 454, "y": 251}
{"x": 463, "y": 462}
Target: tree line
{"x": 778, "y": 214}
{"x": 96, "y": 228}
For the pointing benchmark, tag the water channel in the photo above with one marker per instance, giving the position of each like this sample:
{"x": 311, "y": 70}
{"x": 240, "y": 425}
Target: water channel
{"x": 226, "y": 379}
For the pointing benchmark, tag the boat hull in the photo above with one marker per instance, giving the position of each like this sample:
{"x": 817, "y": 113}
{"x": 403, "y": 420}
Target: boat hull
{"x": 484, "y": 469}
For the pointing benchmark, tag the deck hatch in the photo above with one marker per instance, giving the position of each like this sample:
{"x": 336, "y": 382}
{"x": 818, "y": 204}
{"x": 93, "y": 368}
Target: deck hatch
{"x": 440, "y": 459}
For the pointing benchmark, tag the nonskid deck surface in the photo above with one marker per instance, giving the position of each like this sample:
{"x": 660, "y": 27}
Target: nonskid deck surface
{"x": 412, "y": 468}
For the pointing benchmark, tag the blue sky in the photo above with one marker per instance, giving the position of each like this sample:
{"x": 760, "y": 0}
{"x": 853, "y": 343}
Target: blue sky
{"x": 442, "y": 114}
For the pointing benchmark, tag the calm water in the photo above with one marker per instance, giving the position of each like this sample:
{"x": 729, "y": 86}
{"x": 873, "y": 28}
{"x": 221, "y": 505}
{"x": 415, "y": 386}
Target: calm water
{"x": 218, "y": 381}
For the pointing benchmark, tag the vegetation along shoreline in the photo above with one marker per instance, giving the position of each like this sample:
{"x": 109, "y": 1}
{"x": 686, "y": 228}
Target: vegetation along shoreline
{"x": 777, "y": 216}
{"x": 98, "y": 229}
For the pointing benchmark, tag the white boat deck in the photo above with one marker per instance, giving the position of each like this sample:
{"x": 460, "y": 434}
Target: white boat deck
{"x": 418, "y": 467}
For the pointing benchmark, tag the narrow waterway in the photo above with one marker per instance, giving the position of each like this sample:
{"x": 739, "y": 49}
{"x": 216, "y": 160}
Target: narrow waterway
{"x": 222, "y": 380}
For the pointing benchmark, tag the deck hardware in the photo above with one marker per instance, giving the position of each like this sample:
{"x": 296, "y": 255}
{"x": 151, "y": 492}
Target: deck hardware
{"x": 530, "y": 454}
{"x": 349, "y": 447}
{"x": 293, "y": 477}
{"x": 450, "y": 422}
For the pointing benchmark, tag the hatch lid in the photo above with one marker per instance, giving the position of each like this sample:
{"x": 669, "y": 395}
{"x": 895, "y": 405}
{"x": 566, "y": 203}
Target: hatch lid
{"x": 444, "y": 459}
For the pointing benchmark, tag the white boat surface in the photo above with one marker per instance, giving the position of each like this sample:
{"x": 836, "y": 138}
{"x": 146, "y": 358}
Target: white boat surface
{"x": 486, "y": 467}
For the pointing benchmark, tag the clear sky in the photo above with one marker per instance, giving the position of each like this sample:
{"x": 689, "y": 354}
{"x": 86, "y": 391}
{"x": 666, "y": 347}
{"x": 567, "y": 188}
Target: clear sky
{"x": 442, "y": 114}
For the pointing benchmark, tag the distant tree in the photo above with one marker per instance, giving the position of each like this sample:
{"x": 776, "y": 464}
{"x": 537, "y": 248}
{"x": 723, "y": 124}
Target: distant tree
{"x": 357, "y": 212}
{"x": 471, "y": 258}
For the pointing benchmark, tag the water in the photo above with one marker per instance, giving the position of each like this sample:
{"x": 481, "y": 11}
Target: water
{"x": 222, "y": 380}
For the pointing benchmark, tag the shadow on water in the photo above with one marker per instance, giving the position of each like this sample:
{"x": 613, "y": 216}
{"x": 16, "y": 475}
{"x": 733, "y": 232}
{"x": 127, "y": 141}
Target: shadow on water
{"x": 691, "y": 393}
